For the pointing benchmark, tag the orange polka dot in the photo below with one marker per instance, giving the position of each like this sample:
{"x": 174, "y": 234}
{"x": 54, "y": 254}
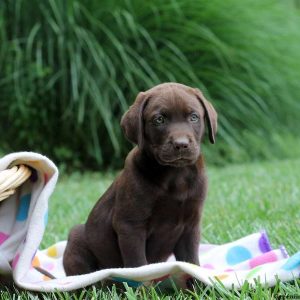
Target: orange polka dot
{"x": 36, "y": 262}
{"x": 65, "y": 282}
{"x": 46, "y": 278}
{"x": 221, "y": 276}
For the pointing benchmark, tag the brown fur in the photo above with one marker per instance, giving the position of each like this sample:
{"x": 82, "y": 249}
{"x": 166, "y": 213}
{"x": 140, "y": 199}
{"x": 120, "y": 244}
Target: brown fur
{"x": 153, "y": 208}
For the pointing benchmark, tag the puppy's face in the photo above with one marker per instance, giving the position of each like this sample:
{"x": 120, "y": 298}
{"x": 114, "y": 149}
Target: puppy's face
{"x": 173, "y": 126}
{"x": 169, "y": 121}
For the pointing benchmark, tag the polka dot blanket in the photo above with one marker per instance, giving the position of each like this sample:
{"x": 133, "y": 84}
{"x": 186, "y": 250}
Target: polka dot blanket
{"x": 23, "y": 217}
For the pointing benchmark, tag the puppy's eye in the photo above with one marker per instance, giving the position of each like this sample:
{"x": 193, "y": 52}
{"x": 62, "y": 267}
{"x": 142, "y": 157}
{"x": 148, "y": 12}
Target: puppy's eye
{"x": 194, "y": 118}
{"x": 159, "y": 120}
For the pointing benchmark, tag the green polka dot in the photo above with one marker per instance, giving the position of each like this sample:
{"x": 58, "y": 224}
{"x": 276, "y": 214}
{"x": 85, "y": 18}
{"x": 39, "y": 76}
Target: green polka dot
{"x": 253, "y": 272}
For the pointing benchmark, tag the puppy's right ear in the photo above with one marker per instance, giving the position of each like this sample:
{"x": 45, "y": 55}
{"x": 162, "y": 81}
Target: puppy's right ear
{"x": 132, "y": 120}
{"x": 211, "y": 115}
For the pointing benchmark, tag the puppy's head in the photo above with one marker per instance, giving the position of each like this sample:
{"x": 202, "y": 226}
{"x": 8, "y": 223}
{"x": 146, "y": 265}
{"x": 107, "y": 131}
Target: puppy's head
{"x": 169, "y": 122}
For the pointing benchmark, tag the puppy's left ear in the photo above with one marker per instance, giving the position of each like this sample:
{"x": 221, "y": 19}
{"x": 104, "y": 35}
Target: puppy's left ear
{"x": 132, "y": 121}
{"x": 211, "y": 115}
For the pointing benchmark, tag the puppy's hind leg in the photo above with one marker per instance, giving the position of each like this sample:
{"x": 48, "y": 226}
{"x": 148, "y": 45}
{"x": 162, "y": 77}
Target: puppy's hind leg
{"x": 78, "y": 259}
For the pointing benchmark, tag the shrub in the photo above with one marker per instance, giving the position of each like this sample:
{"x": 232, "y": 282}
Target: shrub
{"x": 69, "y": 69}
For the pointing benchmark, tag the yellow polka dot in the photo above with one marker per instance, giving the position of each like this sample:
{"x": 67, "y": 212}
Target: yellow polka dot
{"x": 222, "y": 276}
{"x": 46, "y": 278}
{"x": 35, "y": 262}
{"x": 52, "y": 251}
{"x": 193, "y": 265}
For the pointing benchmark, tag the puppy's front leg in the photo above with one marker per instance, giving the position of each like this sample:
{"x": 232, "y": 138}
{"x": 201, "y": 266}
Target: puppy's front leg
{"x": 187, "y": 246}
{"x": 132, "y": 243}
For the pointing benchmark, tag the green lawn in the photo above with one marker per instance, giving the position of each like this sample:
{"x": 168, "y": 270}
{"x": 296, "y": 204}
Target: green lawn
{"x": 242, "y": 199}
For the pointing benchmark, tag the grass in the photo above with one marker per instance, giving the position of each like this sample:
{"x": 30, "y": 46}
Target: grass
{"x": 242, "y": 199}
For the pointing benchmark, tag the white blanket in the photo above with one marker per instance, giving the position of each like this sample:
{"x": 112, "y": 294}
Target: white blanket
{"x": 23, "y": 217}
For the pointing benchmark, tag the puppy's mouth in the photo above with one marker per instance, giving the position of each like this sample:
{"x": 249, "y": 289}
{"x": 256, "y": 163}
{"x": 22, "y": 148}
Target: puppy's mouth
{"x": 168, "y": 157}
{"x": 176, "y": 162}
{"x": 180, "y": 162}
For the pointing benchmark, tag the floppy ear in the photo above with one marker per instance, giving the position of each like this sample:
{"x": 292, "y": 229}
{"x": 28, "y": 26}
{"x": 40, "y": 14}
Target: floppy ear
{"x": 210, "y": 115}
{"x": 132, "y": 121}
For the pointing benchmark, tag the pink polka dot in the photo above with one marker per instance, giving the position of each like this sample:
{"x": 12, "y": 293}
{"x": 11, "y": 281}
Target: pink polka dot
{"x": 3, "y": 237}
{"x": 263, "y": 259}
{"x": 208, "y": 266}
{"x": 48, "y": 266}
{"x": 15, "y": 261}
{"x": 161, "y": 278}
{"x": 229, "y": 270}
{"x": 46, "y": 178}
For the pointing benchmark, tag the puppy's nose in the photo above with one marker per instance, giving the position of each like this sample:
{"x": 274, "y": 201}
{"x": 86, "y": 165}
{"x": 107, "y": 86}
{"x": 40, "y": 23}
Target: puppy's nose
{"x": 181, "y": 143}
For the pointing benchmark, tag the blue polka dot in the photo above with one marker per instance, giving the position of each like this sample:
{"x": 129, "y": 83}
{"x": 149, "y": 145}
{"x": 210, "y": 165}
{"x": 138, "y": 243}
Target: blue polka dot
{"x": 46, "y": 218}
{"x": 237, "y": 254}
{"x": 292, "y": 263}
{"x": 23, "y": 207}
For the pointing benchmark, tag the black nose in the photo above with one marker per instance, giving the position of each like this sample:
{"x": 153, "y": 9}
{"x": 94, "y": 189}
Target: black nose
{"x": 181, "y": 143}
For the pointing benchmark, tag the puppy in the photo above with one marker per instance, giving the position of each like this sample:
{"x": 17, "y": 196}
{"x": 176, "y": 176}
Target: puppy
{"x": 153, "y": 208}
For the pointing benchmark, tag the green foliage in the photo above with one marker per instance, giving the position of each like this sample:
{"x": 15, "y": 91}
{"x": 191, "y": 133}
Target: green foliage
{"x": 69, "y": 70}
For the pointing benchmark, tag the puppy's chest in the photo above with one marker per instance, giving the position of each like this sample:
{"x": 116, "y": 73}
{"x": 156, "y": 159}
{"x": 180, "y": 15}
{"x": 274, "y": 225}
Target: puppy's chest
{"x": 180, "y": 188}
{"x": 177, "y": 198}
{"x": 172, "y": 212}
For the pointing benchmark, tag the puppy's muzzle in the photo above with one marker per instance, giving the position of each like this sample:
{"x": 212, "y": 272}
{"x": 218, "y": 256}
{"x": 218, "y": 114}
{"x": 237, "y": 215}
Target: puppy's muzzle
{"x": 181, "y": 143}
{"x": 179, "y": 151}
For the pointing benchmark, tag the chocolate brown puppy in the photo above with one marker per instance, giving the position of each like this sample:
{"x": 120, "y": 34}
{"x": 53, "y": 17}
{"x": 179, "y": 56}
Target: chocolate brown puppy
{"x": 153, "y": 208}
